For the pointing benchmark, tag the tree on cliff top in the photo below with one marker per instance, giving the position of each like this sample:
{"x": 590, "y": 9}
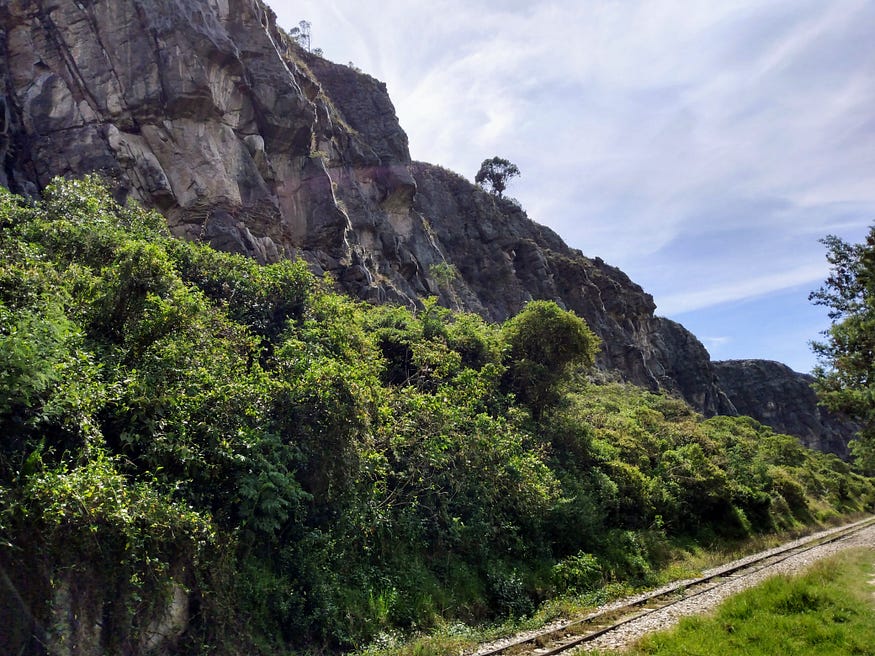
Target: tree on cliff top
{"x": 301, "y": 34}
{"x": 495, "y": 173}
{"x": 846, "y": 377}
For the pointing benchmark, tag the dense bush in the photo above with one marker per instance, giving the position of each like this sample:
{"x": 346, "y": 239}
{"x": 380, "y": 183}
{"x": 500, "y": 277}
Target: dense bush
{"x": 543, "y": 342}
{"x": 317, "y": 471}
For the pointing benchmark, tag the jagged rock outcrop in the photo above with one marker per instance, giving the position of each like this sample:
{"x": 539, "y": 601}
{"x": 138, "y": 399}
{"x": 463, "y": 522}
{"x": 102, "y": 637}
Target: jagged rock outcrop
{"x": 779, "y": 397}
{"x": 505, "y": 260}
{"x": 205, "y": 110}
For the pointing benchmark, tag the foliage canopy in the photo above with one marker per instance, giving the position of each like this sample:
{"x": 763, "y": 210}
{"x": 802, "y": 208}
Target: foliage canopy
{"x": 846, "y": 377}
{"x": 320, "y": 471}
{"x": 495, "y": 173}
{"x": 543, "y": 342}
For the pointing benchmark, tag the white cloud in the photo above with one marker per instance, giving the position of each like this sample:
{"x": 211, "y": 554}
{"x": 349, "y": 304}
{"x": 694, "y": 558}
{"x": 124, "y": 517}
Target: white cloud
{"x": 716, "y": 345}
{"x": 748, "y": 286}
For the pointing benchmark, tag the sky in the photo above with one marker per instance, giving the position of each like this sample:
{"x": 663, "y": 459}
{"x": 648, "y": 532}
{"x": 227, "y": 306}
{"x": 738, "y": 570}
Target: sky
{"x": 702, "y": 147}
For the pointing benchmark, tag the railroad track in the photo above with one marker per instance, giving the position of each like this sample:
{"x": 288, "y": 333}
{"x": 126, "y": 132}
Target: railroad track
{"x": 576, "y": 633}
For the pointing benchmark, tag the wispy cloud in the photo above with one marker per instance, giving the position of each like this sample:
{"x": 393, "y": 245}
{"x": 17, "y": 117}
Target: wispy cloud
{"x": 715, "y": 345}
{"x": 744, "y": 287}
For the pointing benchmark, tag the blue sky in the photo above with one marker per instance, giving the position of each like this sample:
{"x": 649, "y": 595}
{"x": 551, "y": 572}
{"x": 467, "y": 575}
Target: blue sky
{"x": 703, "y": 147}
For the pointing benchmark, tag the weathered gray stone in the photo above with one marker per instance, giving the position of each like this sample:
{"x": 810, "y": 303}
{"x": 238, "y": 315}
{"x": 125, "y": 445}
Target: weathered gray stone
{"x": 204, "y": 110}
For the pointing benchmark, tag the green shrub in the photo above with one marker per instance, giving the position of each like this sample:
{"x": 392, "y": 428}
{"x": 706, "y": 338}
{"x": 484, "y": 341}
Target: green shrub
{"x": 578, "y": 574}
{"x": 508, "y": 594}
{"x": 543, "y": 341}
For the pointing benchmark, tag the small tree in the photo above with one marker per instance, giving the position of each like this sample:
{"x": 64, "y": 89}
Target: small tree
{"x": 301, "y": 35}
{"x": 846, "y": 376}
{"x": 495, "y": 173}
{"x": 543, "y": 341}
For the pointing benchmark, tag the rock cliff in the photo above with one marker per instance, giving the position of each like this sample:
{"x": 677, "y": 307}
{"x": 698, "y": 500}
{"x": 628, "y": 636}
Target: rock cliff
{"x": 777, "y": 396}
{"x": 205, "y": 110}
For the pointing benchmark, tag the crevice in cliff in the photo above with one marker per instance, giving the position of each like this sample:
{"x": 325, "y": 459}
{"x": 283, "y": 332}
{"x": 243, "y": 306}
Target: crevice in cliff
{"x": 78, "y": 82}
{"x": 95, "y": 30}
{"x": 147, "y": 29}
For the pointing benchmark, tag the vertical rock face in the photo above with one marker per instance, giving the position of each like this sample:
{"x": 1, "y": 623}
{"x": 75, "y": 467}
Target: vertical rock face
{"x": 188, "y": 105}
{"x": 204, "y": 110}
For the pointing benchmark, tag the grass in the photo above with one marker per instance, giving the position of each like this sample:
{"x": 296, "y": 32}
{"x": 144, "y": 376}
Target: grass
{"x": 691, "y": 559}
{"x": 827, "y": 610}
{"x": 685, "y": 561}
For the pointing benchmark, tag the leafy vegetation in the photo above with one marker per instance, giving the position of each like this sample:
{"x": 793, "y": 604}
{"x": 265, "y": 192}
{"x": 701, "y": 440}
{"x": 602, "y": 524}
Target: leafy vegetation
{"x": 846, "y": 379}
{"x": 826, "y": 610}
{"x": 319, "y": 473}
